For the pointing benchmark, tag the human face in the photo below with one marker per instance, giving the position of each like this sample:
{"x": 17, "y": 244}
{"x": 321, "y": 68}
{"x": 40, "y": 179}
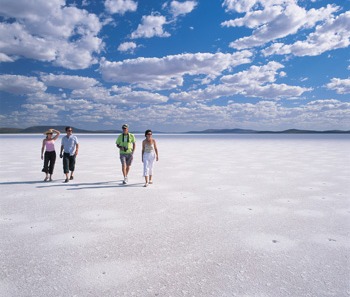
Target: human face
{"x": 125, "y": 130}
{"x": 69, "y": 131}
{"x": 49, "y": 135}
{"x": 149, "y": 135}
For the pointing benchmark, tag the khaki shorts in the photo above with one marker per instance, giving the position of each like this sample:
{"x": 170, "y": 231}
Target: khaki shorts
{"x": 126, "y": 159}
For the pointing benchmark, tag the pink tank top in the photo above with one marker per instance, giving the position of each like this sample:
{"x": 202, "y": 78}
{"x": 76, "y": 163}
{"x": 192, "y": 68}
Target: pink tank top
{"x": 50, "y": 145}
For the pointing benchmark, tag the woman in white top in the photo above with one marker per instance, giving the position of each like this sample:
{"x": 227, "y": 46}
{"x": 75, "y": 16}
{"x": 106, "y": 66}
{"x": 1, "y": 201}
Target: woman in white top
{"x": 149, "y": 154}
{"x": 50, "y": 154}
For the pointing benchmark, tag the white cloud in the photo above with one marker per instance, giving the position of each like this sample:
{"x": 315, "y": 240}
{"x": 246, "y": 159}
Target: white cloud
{"x": 68, "y": 81}
{"x": 257, "y": 82}
{"x": 5, "y": 58}
{"x": 19, "y": 84}
{"x": 341, "y": 86}
{"x": 121, "y": 96}
{"x": 127, "y": 47}
{"x": 151, "y": 26}
{"x": 50, "y": 31}
{"x": 240, "y": 5}
{"x": 321, "y": 114}
{"x": 120, "y": 6}
{"x": 276, "y": 19}
{"x": 181, "y": 8}
{"x": 168, "y": 72}
{"x": 333, "y": 34}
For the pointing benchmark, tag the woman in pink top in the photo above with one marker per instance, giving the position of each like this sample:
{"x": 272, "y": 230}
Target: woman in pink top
{"x": 50, "y": 154}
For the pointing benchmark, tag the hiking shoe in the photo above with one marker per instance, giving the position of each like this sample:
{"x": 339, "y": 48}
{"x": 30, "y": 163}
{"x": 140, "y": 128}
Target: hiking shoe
{"x": 66, "y": 180}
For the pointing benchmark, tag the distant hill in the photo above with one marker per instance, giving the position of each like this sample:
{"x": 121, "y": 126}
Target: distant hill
{"x": 245, "y": 131}
{"x": 42, "y": 129}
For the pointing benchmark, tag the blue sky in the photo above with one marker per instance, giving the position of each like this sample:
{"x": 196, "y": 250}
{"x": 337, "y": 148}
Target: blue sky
{"x": 175, "y": 65}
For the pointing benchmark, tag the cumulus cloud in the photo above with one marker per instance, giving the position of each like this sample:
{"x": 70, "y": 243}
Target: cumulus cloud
{"x": 323, "y": 114}
{"x": 168, "y": 72}
{"x": 5, "y": 58}
{"x": 127, "y": 47}
{"x": 181, "y": 8}
{"x": 333, "y": 34}
{"x": 68, "y": 81}
{"x": 21, "y": 85}
{"x": 274, "y": 19}
{"x": 151, "y": 26}
{"x": 120, "y": 6}
{"x": 257, "y": 82}
{"x": 49, "y": 31}
{"x": 124, "y": 96}
{"x": 341, "y": 86}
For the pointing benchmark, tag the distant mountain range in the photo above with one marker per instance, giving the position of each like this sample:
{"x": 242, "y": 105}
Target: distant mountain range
{"x": 245, "y": 131}
{"x": 42, "y": 129}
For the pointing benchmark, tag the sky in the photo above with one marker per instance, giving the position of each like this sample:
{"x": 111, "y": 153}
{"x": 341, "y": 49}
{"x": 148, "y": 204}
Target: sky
{"x": 175, "y": 66}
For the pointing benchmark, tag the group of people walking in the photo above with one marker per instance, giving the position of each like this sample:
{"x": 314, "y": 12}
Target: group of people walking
{"x": 126, "y": 143}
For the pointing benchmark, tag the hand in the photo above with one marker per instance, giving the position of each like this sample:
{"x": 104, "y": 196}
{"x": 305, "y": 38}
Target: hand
{"x": 42, "y": 158}
{"x": 61, "y": 156}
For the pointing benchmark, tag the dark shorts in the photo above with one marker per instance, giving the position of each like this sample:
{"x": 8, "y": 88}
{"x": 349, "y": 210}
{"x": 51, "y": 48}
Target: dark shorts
{"x": 68, "y": 162}
{"x": 126, "y": 159}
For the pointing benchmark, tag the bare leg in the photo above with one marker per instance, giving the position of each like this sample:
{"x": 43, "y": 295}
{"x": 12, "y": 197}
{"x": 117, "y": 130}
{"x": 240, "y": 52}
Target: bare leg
{"x": 127, "y": 170}
{"x": 146, "y": 181}
{"x": 124, "y": 171}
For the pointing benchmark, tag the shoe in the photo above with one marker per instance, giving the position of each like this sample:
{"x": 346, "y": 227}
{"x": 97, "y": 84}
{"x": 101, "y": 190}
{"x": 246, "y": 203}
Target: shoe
{"x": 50, "y": 180}
{"x": 45, "y": 179}
{"x": 66, "y": 180}
{"x": 146, "y": 185}
{"x": 71, "y": 178}
{"x": 150, "y": 182}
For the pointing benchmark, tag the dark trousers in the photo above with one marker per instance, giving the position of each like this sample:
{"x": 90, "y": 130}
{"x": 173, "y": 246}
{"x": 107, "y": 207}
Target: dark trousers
{"x": 49, "y": 162}
{"x": 68, "y": 162}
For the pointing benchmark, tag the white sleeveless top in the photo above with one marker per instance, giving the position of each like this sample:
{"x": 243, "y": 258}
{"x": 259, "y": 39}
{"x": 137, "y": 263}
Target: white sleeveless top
{"x": 149, "y": 148}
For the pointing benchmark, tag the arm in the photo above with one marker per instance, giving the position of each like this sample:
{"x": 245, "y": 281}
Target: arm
{"x": 57, "y": 134}
{"x": 117, "y": 143}
{"x": 42, "y": 149}
{"x": 133, "y": 147}
{"x": 143, "y": 150}
{"x": 76, "y": 149}
{"x": 61, "y": 150}
{"x": 155, "y": 149}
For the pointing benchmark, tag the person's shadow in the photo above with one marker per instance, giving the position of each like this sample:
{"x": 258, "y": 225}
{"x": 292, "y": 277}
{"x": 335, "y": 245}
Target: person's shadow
{"x": 74, "y": 185}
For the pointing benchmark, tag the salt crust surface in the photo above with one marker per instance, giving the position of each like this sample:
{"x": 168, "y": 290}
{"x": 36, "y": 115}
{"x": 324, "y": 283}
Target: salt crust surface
{"x": 226, "y": 216}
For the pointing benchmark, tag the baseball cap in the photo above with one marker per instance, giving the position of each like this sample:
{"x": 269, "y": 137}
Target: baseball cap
{"x": 125, "y": 126}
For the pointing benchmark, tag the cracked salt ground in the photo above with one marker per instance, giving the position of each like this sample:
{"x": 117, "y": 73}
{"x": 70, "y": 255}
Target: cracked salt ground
{"x": 271, "y": 221}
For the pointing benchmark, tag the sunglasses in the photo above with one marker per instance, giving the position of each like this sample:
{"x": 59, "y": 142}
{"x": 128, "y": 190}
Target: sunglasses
{"x": 149, "y": 134}
{"x": 69, "y": 130}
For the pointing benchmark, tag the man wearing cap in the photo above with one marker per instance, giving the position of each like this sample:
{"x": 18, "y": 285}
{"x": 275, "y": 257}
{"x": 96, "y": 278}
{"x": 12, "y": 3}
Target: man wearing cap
{"x": 126, "y": 142}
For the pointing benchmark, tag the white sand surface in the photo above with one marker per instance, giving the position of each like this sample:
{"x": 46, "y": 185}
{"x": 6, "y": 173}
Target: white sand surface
{"x": 226, "y": 216}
